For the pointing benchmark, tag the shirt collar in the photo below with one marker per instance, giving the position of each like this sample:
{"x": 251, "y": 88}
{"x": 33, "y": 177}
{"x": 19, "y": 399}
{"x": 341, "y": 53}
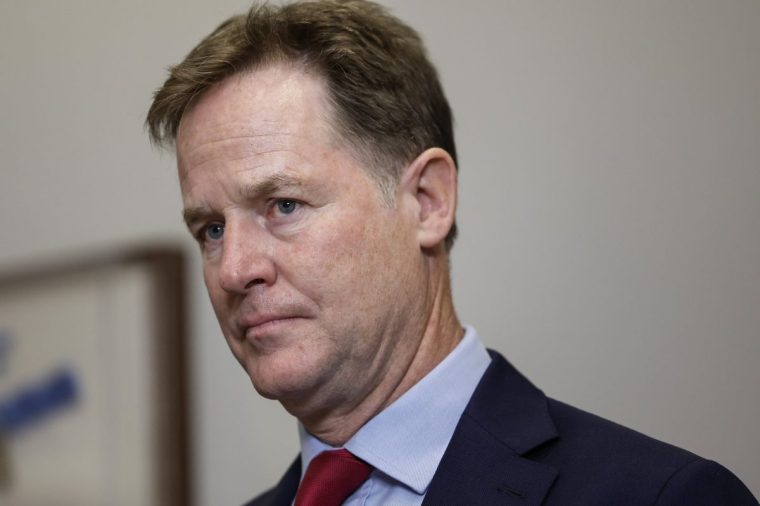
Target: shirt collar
{"x": 407, "y": 440}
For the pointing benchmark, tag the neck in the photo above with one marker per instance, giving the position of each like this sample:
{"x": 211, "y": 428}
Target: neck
{"x": 441, "y": 332}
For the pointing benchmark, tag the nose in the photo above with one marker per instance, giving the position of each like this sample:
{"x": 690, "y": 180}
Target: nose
{"x": 247, "y": 259}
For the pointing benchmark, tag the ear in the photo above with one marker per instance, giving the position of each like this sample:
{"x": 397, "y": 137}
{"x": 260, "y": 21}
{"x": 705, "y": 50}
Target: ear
{"x": 431, "y": 182}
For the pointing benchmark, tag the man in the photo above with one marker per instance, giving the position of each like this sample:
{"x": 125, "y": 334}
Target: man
{"x": 318, "y": 173}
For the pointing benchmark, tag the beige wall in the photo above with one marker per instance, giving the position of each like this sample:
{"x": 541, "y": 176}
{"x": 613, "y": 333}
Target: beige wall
{"x": 610, "y": 205}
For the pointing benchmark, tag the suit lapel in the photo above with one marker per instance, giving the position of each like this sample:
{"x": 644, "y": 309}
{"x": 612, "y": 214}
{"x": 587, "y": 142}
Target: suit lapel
{"x": 484, "y": 462}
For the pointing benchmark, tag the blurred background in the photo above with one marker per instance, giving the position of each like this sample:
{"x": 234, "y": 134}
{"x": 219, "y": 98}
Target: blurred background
{"x": 609, "y": 206}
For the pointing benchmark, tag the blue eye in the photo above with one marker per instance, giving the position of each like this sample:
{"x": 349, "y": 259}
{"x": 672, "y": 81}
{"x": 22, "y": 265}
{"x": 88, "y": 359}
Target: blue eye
{"x": 286, "y": 206}
{"x": 214, "y": 232}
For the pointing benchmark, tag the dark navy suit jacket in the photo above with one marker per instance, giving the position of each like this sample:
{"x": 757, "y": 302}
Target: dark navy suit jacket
{"x": 514, "y": 446}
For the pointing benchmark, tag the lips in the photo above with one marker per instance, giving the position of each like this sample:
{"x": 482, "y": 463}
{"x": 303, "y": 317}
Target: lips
{"x": 260, "y": 324}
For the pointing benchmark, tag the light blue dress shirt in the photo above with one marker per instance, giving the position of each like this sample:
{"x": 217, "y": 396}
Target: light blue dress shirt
{"x": 406, "y": 441}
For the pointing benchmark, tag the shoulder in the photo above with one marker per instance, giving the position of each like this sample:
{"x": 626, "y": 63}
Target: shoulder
{"x": 704, "y": 483}
{"x": 600, "y": 439}
{"x": 595, "y": 461}
{"x": 598, "y": 458}
{"x": 592, "y": 445}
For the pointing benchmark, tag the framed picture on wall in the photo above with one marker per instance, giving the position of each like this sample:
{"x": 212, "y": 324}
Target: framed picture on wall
{"x": 93, "y": 382}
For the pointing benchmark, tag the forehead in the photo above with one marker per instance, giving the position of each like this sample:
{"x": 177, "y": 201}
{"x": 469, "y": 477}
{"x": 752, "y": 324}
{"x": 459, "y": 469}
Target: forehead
{"x": 277, "y": 100}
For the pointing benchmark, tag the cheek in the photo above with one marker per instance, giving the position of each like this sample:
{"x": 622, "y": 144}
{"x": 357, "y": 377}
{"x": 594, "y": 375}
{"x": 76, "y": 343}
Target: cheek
{"x": 349, "y": 264}
{"x": 320, "y": 265}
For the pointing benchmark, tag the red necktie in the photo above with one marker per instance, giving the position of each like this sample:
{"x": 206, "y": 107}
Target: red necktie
{"x": 330, "y": 478}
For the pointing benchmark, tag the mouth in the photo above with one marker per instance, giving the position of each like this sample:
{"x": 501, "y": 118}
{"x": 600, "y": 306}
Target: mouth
{"x": 263, "y": 326}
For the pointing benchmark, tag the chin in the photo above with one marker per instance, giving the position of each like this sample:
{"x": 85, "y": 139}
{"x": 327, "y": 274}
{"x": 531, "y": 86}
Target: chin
{"x": 281, "y": 376}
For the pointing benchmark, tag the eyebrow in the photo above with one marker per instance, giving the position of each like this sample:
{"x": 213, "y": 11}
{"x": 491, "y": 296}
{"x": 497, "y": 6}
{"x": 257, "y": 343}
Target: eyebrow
{"x": 193, "y": 215}
{"x": 267, "y": 186}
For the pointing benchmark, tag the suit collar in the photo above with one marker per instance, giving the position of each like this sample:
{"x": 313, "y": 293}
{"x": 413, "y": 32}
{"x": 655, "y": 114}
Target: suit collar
{"x": 485, "y": 461}
{"x": 511, "y": 408}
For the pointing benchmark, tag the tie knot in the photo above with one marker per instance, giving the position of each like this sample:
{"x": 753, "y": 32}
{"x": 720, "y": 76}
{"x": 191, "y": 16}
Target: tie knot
{"x": 330, "y": 478}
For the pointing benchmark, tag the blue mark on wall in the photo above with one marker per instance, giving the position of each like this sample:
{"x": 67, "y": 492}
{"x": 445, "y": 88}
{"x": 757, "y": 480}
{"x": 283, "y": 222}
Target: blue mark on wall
{"x": 38, "y": 401}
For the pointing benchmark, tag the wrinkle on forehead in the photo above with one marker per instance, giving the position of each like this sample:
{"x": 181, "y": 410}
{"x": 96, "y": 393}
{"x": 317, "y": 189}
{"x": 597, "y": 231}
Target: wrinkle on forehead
{"x": 279, "y": 90}
{"x": 237, "y": 148}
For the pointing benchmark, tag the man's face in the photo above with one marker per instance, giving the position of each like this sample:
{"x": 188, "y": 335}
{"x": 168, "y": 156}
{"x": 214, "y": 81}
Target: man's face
{"x": 315, "y": 281}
